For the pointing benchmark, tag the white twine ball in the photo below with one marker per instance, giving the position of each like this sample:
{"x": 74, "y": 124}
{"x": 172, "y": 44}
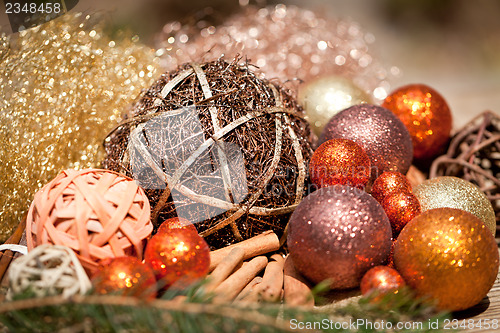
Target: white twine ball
{"x": 48, "y": 270}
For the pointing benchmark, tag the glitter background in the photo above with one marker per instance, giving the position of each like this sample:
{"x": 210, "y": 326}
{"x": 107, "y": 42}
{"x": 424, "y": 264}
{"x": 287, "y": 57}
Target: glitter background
{"x": 63, "y": 86}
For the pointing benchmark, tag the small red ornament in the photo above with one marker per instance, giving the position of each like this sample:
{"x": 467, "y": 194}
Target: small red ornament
{"x": 426, "y": 115}
{"x": 177, "y": 256}
{"x": 340, "y": 162}
{"x": 126, "y": 276}
{"x": 381, "y": 280}
{"x": 389, "y": 182}
{"x": 400, "y": 208}
{"x": 176, "y": 223}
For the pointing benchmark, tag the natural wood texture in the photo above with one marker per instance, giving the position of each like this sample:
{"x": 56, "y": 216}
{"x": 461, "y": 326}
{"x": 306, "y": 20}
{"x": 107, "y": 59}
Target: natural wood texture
{"x": 488, "y": 308}
{"x": 6, "y": 257}
{"x": 234, "y": 284}
{"x": 296, "y": 288}
{"x": 261, "y": 244}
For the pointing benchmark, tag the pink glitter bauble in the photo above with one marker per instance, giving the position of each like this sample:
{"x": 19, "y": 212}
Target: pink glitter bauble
{"x": 285, "y": 43}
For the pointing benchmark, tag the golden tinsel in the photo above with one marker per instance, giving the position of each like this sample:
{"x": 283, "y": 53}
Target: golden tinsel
{"x": 63, "y": 84}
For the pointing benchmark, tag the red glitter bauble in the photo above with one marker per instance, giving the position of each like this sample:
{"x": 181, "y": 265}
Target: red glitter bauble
{"x": 339, "y": 161}
{"x": 337, "y": 233}
{"x": 400, "y": 208}
{"x": 389, "y": 182}
{"x": 126, "y": 276}
{"x": 381, "y": 280}
{"x": 177, "y": 256}
{"x": 426, "y": 115}
{"x": 176, "y": 223}
{"x": 381, "y": 134}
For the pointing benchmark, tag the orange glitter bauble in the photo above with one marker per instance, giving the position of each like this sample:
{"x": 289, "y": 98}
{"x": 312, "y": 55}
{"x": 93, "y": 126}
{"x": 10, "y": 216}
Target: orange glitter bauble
{"x": 400, "y": 208}
{"x": 381, "y": 280}
{"x": 449, "y": 255}
{"x": 340, "y": 162}
{"x": 426, "y": 115}
{"x": 126, "y": 276}
{"x": 177, "y": 256}
{"x": 388, "y": 182}
{"x": 176, "y": 223}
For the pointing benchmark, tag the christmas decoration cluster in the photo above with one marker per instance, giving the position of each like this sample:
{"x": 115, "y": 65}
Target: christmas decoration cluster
{"x": 216, "y": 173}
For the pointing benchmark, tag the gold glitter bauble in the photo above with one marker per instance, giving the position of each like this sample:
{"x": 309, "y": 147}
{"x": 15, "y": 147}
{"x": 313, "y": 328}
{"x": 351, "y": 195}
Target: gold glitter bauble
{"x": 324, "y": 97}
{"x": 63, "y": 86}
{"x": 457, "y": 193}
{"x": 448, "y": 255}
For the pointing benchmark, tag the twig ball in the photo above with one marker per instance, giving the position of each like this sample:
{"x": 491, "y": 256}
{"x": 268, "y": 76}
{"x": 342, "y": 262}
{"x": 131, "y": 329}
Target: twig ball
{"x": 98, "y": 213}
{"x": 48, "y": 270}
{"x": 216, "y": 145}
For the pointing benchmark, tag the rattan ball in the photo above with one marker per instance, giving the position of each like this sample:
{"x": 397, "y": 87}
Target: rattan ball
{"x": 97, "y": 213}
{"x": 216, "y": 145}
{"x": 48, "y": 270}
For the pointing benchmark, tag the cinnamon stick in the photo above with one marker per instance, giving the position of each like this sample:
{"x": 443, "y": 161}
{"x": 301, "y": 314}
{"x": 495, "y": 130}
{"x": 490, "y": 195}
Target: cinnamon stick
{"x": 235, "y": 283}
{"x": 296, "y": 288}
{"x": 7, "y": 256}
{"x": 255, "y": 246}
{"x": 225, "y": 268}
{"x": 249, "y": 293}
{"x": 272, "y": 282}
{"x": 415, "y": 176}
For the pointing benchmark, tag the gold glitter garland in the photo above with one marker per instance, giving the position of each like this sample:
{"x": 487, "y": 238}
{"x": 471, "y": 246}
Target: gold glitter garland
{"x": 64, "y": 85}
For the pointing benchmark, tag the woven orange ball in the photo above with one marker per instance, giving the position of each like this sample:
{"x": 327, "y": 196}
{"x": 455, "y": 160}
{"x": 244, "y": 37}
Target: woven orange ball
{"x": 98, "y": 213}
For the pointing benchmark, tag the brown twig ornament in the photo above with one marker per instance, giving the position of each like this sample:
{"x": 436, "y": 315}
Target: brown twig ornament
{"x": 216, "y": 145}
{"x": 474, "y": 155}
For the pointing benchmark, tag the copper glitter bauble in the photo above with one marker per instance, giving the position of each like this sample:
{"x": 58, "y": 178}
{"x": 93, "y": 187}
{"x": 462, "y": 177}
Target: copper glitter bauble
{"x": 97, "y": 213}
{"x": 381, "y": 280}
{"x": 381, "y": 134}
{"x": 457, "y": 193}
{"x": 338, "y": 233}
{"x": 339, "y": 161}
{"x": 178, "y": 257}
{"x": 388, "y": 182}
{"x": 64, "y": 84}
{"x": 401, "y": 208}
{"x": 176, "y": 223}
{"x": 286, "y": 43}
{"x": 449, "y": 255}
{"x": 426, "y": 115}
{"x": 216, "y": 145}
{"x": 126, "y": 276}
{"x": 326, "y": 96}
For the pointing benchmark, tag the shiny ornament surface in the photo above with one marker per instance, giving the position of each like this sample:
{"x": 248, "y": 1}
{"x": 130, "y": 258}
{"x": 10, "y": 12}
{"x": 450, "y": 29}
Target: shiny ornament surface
{"x": 426, "y": 115}
{"x": 176, "y": 223}
{"x": 458, "y": 193}
{"x": 381, "y": 280}
{"x": 338, "y": 233}
{"x": 178, "y": 257}
{"x": 400, "y": 208}
{"x": 389, "y": 182}
{"x": 449, "y": 255}
{"x": 381, "y": 134}
{"x": 324, "y": 97}
{"x": 126, "y": 276}
{"x": 339, "y": 161}
{"x": 286, "y": 43}
{"x": 64, "y": 85}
